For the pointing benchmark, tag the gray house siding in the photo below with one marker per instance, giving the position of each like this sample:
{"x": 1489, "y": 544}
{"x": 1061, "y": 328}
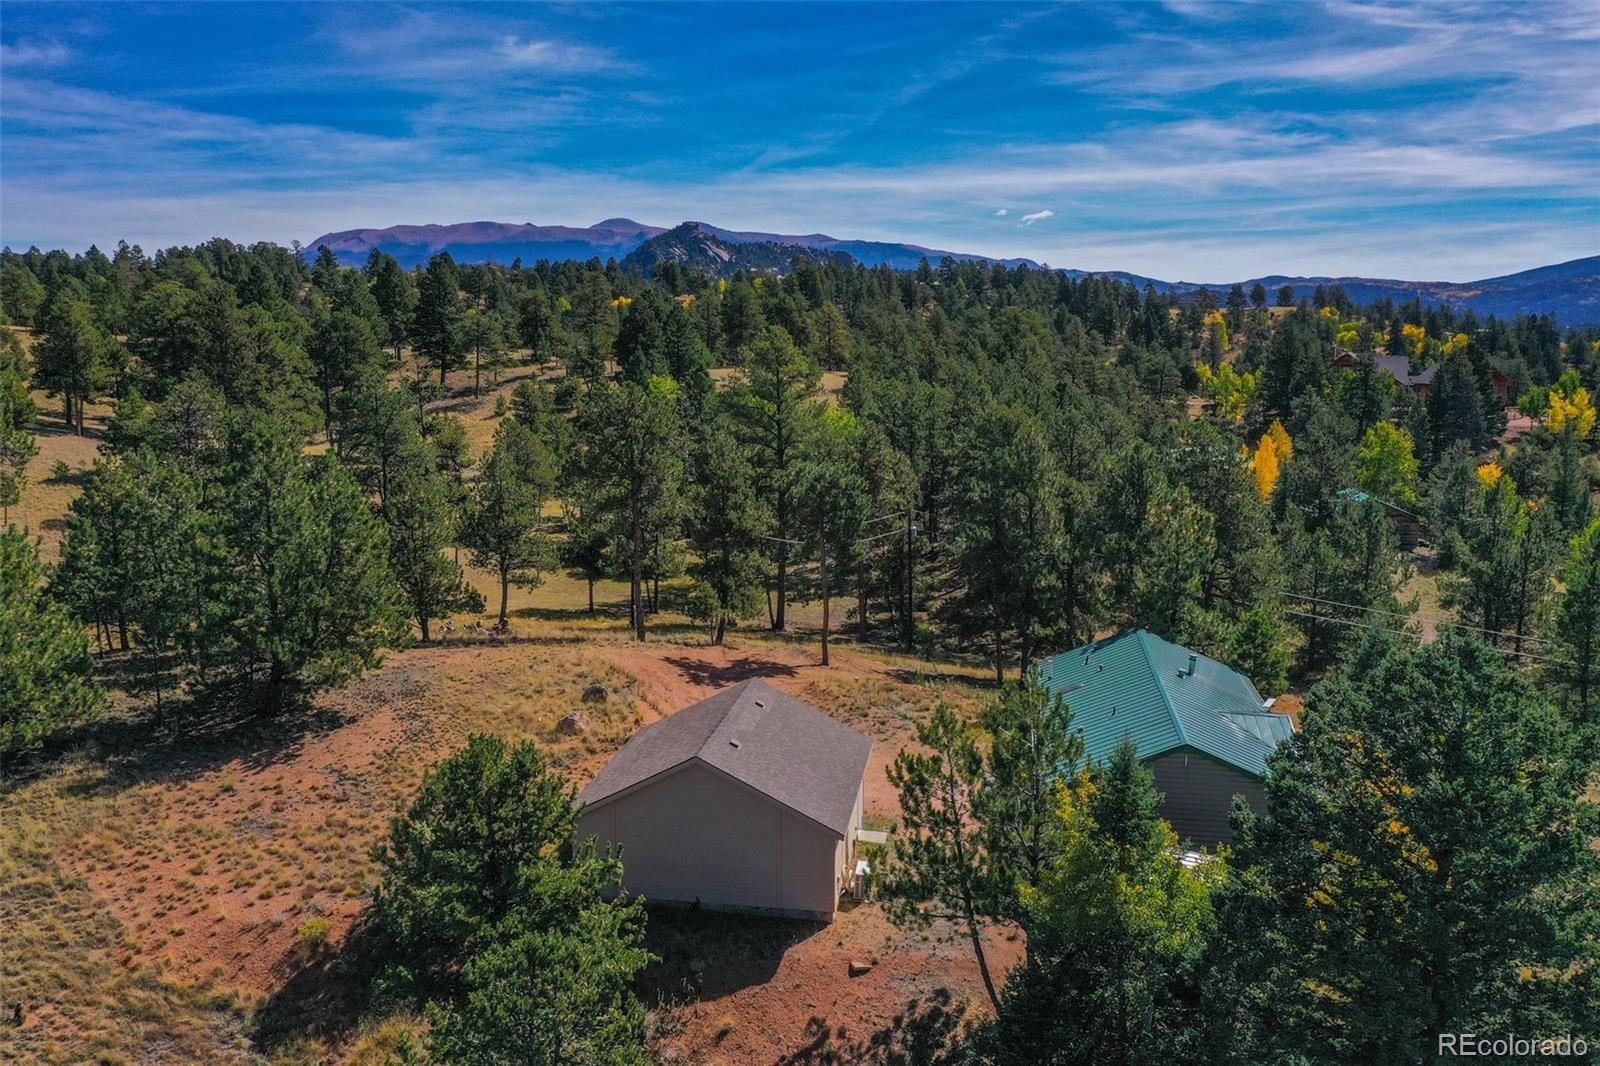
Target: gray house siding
{"x": 694, "y": 835}
{"x": 1198, "y": 792}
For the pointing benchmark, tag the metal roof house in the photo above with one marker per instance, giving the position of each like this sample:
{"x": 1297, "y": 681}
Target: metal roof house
{"x": 1200, "y": 726}
{"x": 749, "y": 800}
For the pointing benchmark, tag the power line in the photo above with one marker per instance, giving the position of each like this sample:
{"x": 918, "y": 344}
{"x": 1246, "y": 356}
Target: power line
{"x": 1406, "y": 633}
{"x": 1402, "y": 614}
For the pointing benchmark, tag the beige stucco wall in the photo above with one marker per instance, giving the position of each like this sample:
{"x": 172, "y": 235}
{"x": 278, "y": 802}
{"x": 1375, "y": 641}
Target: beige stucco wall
{"x": 695, "y": 835}
{"x": 1198, "y": 792}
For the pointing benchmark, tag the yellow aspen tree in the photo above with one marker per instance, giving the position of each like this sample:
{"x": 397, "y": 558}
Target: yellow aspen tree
{"x": 1280, "y": 438}
{"x": 1266, "y": 466}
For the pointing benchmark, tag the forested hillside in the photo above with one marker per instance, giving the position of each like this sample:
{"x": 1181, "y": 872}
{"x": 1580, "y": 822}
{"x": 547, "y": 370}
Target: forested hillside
{"x": 1061, "y": 456}
{"x": 1006, "y": 463}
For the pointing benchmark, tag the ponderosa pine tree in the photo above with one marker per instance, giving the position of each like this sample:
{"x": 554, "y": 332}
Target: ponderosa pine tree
{"x": 395, "y": 297}
{"x": 1034, "y": 754}
{"x": 1573, "y": 629}
{"x": 541, "y": 996}
{"x": 504, "y": 523}
{"x": 72, "y": 359}
{"x": 1425, "y": 865}
{"x": 379, "y": 432}
{"x": 775, "y": 407}
{"x": 630, "y": 458}
{"x": 97, "y": 574}
{"x": 980, "y": 827}
{"x": 436, "y": 321}
{"x": 832, "y": 497}
{"x": 420, "y": 513}
{"x": 1008, "y": 544}
{"x": 483, "y": 883}
{"x": 344, "y": 355}
{"x": 1506, "y": 574}
{"x": 725, "y": 523}
{"x": 44, "y": 656}
{"x": 938, "y": 866}
{"x": 17, "y": 446}
{"x": 170, "y": 602}
{"x": 1455, "y": 409}
{"x": 1343, "y": 575}
{"x": 302, "y": 581}
{"x": 1117, "y": 929}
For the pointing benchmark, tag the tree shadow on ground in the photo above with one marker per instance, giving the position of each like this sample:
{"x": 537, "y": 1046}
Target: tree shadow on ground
{"x": 928, "y": 1032}
{"x": 700, "y": 672}
{"x": 199, "y": 732}
{"x": 706, "y": 955}
{"x": 327, "y": 996}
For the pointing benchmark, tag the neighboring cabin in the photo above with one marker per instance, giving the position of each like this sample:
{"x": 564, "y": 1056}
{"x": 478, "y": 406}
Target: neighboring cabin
{"x": 749, "y": 800}
{"x": 1398, "y": 367}
{"x": 1200, "y": 726}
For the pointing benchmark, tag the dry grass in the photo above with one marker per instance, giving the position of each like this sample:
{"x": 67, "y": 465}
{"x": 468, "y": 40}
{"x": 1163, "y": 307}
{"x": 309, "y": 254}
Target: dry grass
{"x": 43, "y": 507}
{"x": 153, "y": 899}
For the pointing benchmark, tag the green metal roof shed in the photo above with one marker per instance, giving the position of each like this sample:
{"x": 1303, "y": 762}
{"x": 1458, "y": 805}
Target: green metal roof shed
{"x": 1164, "y": 698}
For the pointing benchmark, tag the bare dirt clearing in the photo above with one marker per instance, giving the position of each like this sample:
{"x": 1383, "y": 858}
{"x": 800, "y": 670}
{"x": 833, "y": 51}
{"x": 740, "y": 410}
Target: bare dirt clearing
{"x": 180, "y": 870}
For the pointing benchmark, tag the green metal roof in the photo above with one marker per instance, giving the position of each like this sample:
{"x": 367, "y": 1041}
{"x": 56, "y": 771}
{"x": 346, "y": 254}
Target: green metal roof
{"x": 1138, "y": 686}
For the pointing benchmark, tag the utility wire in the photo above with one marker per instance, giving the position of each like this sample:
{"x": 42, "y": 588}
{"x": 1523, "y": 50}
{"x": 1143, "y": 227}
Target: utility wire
{"x": 1402, "y": 614}
{"x": 1403, "y": 633}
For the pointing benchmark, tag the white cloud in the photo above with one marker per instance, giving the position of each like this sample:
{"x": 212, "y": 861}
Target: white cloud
{"x": 1001, "y": 213}
{"x": 24, "y": 53}
{"x": 1037, "y": 216}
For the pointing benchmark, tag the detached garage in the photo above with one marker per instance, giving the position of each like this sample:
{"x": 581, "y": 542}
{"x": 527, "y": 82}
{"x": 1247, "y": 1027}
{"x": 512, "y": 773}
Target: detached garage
{"x": 746, "y": 801}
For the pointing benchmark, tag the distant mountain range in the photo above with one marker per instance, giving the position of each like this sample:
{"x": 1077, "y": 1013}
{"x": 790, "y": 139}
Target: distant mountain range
{"x": 1571, "y": 290}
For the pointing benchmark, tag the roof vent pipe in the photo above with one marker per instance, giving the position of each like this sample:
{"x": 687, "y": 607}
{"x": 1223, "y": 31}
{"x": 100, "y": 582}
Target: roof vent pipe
{"x": 1193, "y": 661}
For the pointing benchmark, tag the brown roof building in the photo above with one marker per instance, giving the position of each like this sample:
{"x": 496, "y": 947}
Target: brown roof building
{"x": 749, "y": 800}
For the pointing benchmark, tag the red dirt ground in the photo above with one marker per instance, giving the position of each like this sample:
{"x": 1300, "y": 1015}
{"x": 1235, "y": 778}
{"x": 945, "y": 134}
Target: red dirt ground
{"x": 235, "y": 850}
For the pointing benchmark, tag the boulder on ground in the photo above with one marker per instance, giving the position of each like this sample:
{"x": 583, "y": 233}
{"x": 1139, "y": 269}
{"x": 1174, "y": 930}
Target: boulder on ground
{"x": 594, "y": 694}
{"x": 574, "y": 723}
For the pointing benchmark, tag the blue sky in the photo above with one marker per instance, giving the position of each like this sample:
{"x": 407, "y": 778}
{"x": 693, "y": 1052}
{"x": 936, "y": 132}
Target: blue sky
{"x": 1181, "y": 140}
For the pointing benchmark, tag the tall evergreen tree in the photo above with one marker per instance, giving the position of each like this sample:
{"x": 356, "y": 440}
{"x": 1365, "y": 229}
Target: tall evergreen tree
{"x": 631, "y": 459}
{"x": 395, "y": 297}
{"x": 44, "y": 656}
{"x": 833, "y": 498}
{"x": 302, "y": 576}
{"x": 775, "y": 406}
{"x": 725, "y": 523}
{"x": 1118, "y": 926}
{"x": 17, "y": 446}
{"x": 1009, "y": 541}
{"x": 1573, "y": 628}
{"x": 436, "y": 322}
{"x": 1425, "y": 867}
{"x": 72, "y": 361}
{"x": 421, "y": 516}
{"x": 504, "y": 523}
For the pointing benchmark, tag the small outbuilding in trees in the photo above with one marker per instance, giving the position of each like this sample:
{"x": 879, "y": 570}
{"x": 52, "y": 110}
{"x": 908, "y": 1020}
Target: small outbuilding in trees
{"x": 748, "y": 801}
{"x": 1200, "y": 726}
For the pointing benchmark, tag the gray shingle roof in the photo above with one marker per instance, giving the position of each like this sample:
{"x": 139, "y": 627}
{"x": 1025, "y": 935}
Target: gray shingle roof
{"x": 778, "y": 745}
{"x": 1137, "y": 686}
{"x": 1399, "y": 368}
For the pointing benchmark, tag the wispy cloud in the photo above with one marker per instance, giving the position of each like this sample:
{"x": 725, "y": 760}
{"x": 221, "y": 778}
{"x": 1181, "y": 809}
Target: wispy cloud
{"x": 26, "y": 53}
{"x": 1192, "y": 140}
{"x": 443, "y": 47}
